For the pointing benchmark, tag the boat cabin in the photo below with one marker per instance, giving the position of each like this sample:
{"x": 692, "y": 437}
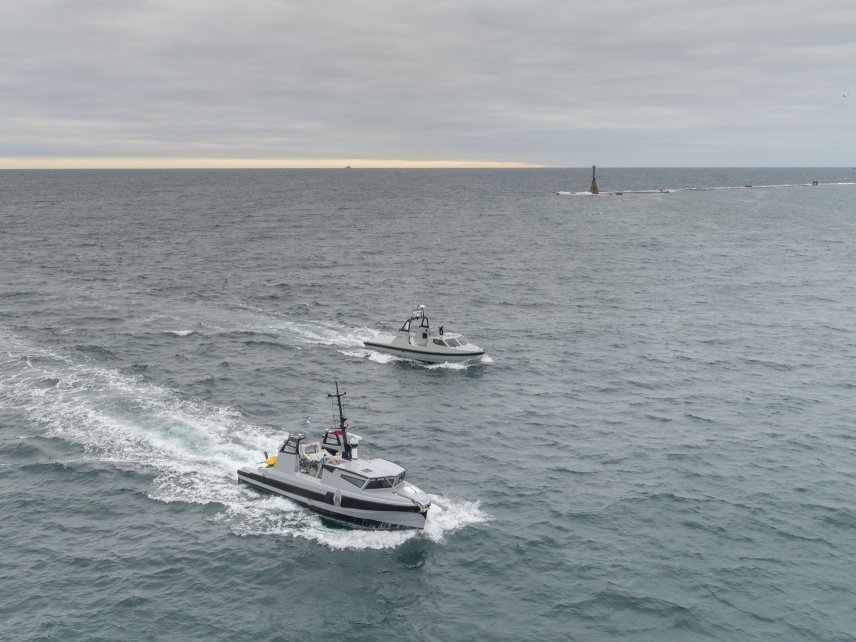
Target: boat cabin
{"x": 451, "y": 340}
{"x": 364, "y": 482}
{"x": 372, "y": 474}
{"x": 324, "y": 459}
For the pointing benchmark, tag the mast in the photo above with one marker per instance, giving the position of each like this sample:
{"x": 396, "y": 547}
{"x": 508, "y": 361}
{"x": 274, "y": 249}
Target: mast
{"x": 342, "y": 426}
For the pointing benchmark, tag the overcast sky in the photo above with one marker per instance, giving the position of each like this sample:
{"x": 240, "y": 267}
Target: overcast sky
{"x": 380, "y": 82}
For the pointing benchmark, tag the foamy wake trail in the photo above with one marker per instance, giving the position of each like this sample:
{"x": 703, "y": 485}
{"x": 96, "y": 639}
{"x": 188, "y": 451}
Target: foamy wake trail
{"x": 276, "y": 515}
{"x": 329, "y": 333}
{"x": 349, "y": 339}
{"x": 371, "y": 355}
{"x": 192, "y": 448}
{"x": 214, "y": 321}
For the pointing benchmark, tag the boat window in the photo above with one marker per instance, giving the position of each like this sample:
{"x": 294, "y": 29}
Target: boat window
{"x": 453, "y": 343}
{"x": 351, "y": 479}
{"x": 400, "y": 477}
{"x": 463, "y": 340}
{"x": 381, "y": 482}
{"x": 439, "y": 342}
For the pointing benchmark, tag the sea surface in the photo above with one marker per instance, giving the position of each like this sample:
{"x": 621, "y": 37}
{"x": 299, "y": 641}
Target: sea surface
{"x": 659, "y": 445}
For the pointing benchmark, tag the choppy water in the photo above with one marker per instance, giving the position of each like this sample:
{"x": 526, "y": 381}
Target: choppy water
{"x": 659, "y": 446}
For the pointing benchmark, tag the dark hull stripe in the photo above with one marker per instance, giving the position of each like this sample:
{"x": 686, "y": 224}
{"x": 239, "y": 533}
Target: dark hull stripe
{"x": 294, "y": 490}
{"x": 326, "y": 498}
{"x": 339, "y": 517}
{"x": 359, "y": 521}
{"x": 383, "y": 346}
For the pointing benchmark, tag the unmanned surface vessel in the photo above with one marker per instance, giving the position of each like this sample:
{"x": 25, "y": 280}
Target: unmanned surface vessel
{"x": 330, "y": 478}
{"x": 415, "y": 340}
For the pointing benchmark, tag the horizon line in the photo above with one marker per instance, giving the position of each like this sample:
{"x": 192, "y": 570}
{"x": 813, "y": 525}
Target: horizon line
{"x": 79, "y": 162}
{"x": 107, "y": 163}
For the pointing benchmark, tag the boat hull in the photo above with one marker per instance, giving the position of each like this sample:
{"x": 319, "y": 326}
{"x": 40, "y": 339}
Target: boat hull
{"x": 353, "y": 511}
{"x": 426, "y": 355}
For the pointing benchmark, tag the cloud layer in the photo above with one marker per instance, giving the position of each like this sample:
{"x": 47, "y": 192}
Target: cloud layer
{"x": 656, "y": 83}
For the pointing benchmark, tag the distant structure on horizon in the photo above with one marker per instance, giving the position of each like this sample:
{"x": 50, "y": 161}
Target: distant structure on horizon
{"x": 593, "y": 187}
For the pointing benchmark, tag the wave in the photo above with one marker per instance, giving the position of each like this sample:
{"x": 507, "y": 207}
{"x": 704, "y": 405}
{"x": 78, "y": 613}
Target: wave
{"x": 371, "y": 355}
{"x": 448, "y": 366}
{"x": 272, "y": 515}
{"x": 96, "y": 352}
{"x": 200, "y": 320}
{"x": 192, "y": 448}
{"x": 672, "y": 190}
{"x": 330, "y": 333}
{"x": 305, "y": 332}
{"x": 249, "y": 322}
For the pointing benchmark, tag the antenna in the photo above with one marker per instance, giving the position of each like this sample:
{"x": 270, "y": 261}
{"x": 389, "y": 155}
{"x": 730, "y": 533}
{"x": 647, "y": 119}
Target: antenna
{"x": 342, "y": 426}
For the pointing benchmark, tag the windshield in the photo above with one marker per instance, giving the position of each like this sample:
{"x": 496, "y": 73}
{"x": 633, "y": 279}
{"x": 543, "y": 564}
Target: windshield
{"x": 385, "y": 482}
{"x": 353, "y": 479}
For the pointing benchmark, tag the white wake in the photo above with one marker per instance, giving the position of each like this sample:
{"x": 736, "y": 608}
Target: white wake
{"x": 193, "y": 449}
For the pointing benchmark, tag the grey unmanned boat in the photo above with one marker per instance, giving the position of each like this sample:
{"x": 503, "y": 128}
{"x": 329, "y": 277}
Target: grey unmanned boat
{"x": 330, "y": 478}
{"x": 421, "y": 344}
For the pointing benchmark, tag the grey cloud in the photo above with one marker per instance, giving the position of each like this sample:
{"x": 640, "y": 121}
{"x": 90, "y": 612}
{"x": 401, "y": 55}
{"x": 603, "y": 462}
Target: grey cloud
{"x": 558, "y": 83}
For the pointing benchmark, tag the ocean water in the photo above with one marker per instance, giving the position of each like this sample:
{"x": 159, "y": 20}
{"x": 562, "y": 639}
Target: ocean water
{"x": 659, "y": 445}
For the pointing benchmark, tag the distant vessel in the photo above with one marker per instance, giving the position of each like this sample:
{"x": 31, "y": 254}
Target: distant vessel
{"x": 329, "y": 478}
{"x": 421, "y": 344}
